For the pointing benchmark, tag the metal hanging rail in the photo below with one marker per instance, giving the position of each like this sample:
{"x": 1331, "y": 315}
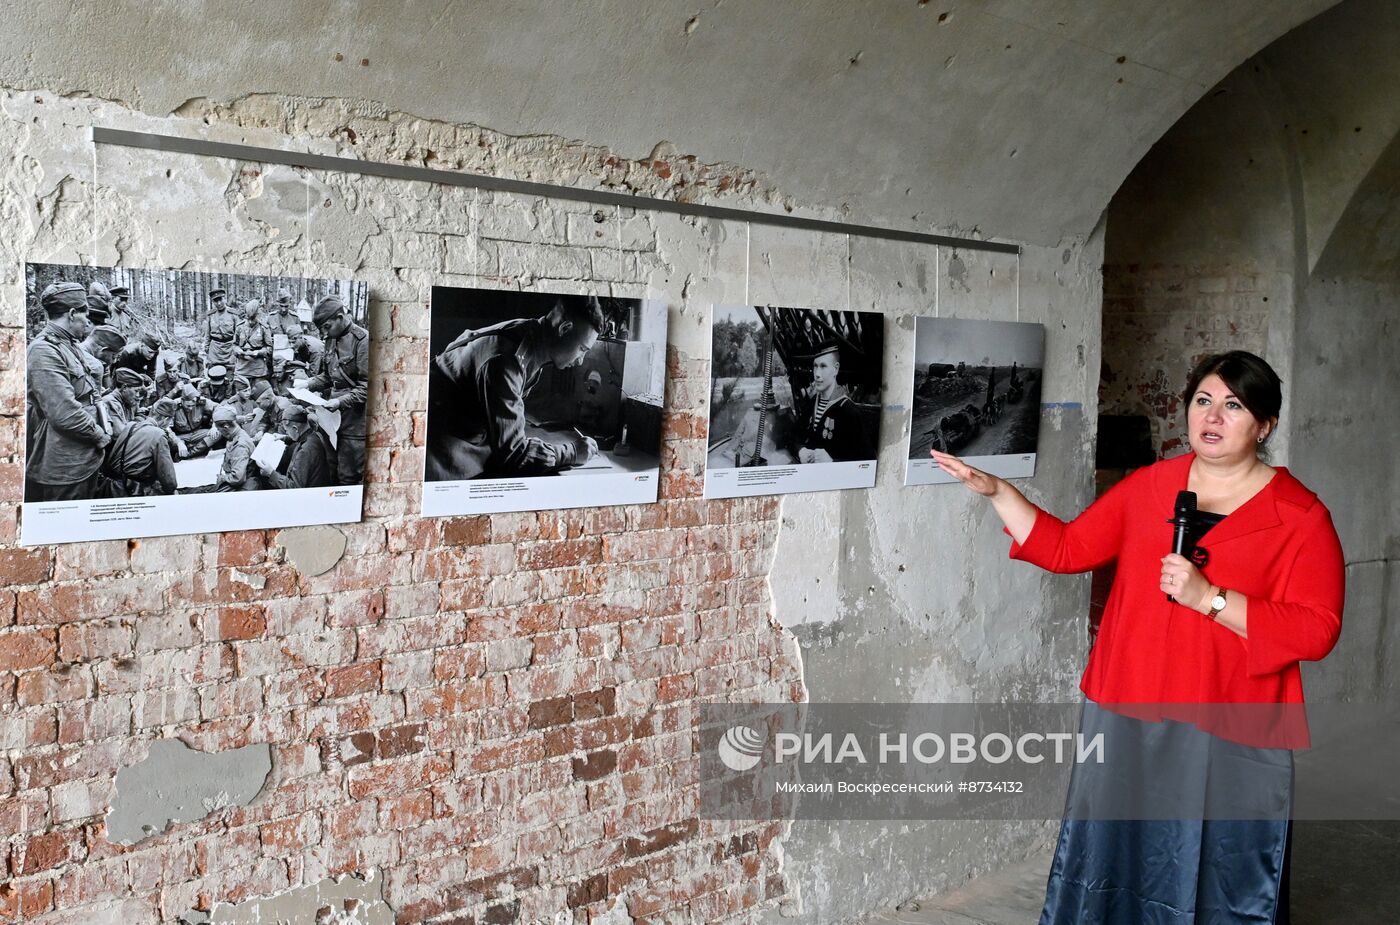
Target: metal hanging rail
{"x": 178, "y": 145}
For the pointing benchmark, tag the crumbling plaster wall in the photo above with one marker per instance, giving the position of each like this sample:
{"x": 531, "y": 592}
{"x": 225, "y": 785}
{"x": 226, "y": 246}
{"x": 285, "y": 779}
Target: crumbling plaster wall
{"x": 487, "y": 716}
{"x": 907, "y": 595}
{"x": 216, "y": 636}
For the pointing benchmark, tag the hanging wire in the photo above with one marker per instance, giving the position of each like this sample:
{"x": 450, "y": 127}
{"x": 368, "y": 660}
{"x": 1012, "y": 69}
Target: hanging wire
{"x": 306, "y": 243}
{"x": 474, "y": 233}
{"x": 1018, "y": 286}
{"x": 748, "y": 240}
{"x": 93, "y": 210}
{"x": 848, "y": 271}
{"x": 937, "y": 275}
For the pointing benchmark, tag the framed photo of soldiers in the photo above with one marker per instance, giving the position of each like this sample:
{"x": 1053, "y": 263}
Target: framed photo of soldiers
{"x": 539, "y": 401}
{"x": 794, "y": 400}
{"x": 976, "y": 395}
{"x": 167, "y": 401}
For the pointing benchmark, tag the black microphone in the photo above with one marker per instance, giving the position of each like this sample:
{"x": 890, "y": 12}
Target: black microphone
{"x": 1185, "y": 507}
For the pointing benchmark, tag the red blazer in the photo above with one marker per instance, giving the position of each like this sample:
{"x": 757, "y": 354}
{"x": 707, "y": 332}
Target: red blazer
{"x": 1279, "y": 549}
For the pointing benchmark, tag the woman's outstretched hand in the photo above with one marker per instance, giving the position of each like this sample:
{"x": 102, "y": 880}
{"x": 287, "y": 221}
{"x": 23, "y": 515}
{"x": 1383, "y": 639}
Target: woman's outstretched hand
{"x": 979, "y": 481}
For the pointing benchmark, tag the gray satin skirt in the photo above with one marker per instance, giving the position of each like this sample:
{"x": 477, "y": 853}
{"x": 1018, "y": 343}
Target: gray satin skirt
{"x": 1191, "y": 864}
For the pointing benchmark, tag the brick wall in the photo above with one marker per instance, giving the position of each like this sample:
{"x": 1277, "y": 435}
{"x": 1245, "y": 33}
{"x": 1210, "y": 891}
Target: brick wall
{"x": 493, "y": 712}
{"x": 1159, "y": 320}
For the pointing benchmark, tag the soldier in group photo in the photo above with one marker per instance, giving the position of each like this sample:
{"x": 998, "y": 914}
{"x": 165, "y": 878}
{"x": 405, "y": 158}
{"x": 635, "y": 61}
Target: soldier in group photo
{"x": 341, "y": 375}
{"x": 175, "y": 390}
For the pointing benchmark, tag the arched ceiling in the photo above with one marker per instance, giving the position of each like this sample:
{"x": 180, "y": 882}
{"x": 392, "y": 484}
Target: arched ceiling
{"x": 1337, "y": 80}
{"x": 1365, "y": 239}
{"x": 1015, "y": 118}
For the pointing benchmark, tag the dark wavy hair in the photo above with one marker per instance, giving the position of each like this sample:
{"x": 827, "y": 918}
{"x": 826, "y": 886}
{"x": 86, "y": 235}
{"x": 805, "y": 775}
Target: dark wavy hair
{"x": 1249, "y": 377}
{"x": 581, "y": 311}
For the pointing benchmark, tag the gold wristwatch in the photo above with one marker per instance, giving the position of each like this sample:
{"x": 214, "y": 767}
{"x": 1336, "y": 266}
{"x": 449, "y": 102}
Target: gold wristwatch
{"x": 1217, "y": 603}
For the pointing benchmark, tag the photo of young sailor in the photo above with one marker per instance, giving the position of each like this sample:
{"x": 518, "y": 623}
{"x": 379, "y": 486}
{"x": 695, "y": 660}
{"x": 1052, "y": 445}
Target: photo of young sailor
{"x": 539, "y": 401}
{"x": 147, "y": 384}
{"x": 976, "y": 394}
{"x": 794, "y": 400}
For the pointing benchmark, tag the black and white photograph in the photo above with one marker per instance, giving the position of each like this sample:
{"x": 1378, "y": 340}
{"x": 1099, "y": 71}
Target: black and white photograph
{"x": 976, "y": 395}
{"x": 539, "y": 401}
{"x": 171, "y": 401}
{"x": 794, "y": 400}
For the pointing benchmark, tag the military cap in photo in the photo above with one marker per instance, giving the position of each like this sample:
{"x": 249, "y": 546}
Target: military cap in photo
{"x": 164, "y": 408}
{"x": 255, "y": 301}
{"x": 216, "y": 373}
{"x": 99, "y": 293}
{"x": 284, "y": 297}
{"x": 217, "y": 293}
{"x": 825, "y": 347}
{"x": 124, "y": 378}
{"x": 327, "y": 308}
{"x": 151, "y": 339}
{"x": 107, "y": 336}
{"x": 241, "y": 382}
{"x": 122, "y": 291}
{"x": 224, "y": 413}
{"x": 296, "y": 413}
{"x": 66, "y": 296}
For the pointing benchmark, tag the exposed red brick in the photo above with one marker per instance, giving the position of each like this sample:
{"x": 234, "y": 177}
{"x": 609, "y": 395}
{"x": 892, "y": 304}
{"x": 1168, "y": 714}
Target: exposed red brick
{"x": 20, "y": 902}
{"x": 595, "y": 765}
{"x": 592, "y": 890}
{"x": 291, "y": 834}
{"x": 64, "y": 683}
{"x": 21, "y": 649}
{"x": 551, "y": 712}
{"x": 50, "y": 850}
{"x": 557, "y": 553}
{"x": 675, "y": 687}
{"x": 242, "y": 548}
{"x": 348, "y": 751}
{"x": 467, "y": 531}
{"x": 502, "y": 913}
{"x": 397, "y": 741}
{"x": 241, "y": 622}
{"x": 660, "y": 838}
{"x": 597, "y": 703}
{"x": 352, "y": 679}
{"x": 26, "y": 566}
{"x": 735, "y": 846}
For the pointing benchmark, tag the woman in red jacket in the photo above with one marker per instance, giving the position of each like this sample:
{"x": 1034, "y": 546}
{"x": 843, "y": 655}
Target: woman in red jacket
{"x": 1184, "y": 644}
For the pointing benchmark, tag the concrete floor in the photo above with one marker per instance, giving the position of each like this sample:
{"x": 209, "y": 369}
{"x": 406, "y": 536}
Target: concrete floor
{"x": 1342, "y": 872}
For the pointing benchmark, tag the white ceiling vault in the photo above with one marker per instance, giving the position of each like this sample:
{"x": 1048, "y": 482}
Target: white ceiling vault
{"x": 1016, "y": 119}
